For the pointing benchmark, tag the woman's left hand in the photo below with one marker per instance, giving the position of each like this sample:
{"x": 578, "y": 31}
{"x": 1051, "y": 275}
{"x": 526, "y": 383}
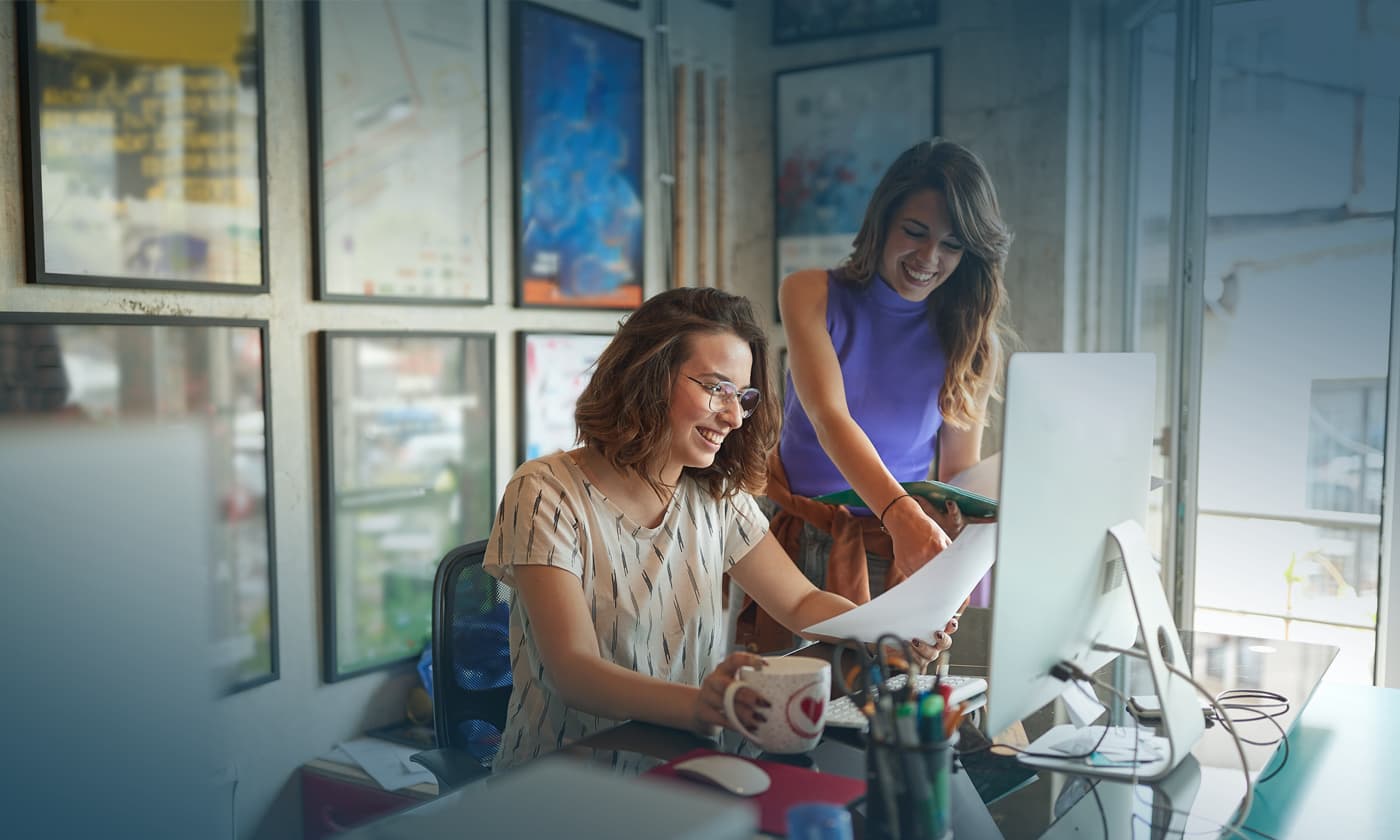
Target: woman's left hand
{"x": 925, "y": 652}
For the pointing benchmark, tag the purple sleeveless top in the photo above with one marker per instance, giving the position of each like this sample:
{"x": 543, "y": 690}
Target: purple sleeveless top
{"x": 893, "y": 364}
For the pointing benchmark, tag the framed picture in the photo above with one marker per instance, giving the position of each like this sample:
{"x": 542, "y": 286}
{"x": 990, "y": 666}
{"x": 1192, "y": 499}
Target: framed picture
{"x": 104, "y": 375}
{"x": 578, "y": 99}
{"x": 803, "y": 20}
{"x": 144, "y": 155}
{"x": 554, "y": 368}
{"x": 400, "y": 131}
{"x": 407, "y": 471}
{"x": 837, "y": 127}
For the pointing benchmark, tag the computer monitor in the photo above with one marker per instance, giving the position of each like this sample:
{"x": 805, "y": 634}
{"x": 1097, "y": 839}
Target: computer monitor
{"x": 1073, "y": 570}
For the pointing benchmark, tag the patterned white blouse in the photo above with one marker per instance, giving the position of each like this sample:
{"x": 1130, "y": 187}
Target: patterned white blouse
{"x": 654, "y": 593}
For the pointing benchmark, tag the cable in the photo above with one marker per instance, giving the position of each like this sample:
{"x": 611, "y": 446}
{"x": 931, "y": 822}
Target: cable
{"x": 1020, "y": 751}
{"x": 1103, "y": 815}
{"x": 1247, "y": 801}
{"x": 1278, "y": 703}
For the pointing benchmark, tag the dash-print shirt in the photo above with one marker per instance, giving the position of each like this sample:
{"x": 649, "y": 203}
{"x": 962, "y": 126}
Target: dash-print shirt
{"x": 654, "y": 593}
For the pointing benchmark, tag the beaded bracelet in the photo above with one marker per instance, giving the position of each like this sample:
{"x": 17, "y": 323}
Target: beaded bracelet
{"x": 881, "y": 517}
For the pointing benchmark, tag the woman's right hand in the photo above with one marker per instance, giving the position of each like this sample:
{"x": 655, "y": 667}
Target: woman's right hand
{"x": 915, "y": 536}
{"x": 707, "y": 715}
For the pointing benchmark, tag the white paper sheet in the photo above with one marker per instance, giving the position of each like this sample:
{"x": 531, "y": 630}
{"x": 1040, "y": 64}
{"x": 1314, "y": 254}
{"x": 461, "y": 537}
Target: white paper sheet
{"x": 920, "y": 605}
{"x": 387, "y": 763}
{"x": 1079, "y": 701}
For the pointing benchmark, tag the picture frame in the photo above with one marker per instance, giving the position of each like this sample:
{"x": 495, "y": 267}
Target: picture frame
{"x": 579, "y": 142}
{"x": 98, "y": 375}
{"x": 398, "y": 105}
{"x": 142, "y": 170}
{"x": 554, "y": 368}
{"x": 801, "y": 20}
{"x": 837, "y": 128}
{"x": 407, "y": 470}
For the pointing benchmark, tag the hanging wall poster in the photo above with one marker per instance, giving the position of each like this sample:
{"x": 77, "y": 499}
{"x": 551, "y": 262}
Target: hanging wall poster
{"x": 578, "y": 100}
{"x": 407, "y": 475}
{"x": 399, "y": 123}
{"x": 143, "y": 143}
{"x": 554, "y": 367}
{"x": 837, "y": 128}
{"x": 803, "y": 20}
{"x": 113, "y": 376}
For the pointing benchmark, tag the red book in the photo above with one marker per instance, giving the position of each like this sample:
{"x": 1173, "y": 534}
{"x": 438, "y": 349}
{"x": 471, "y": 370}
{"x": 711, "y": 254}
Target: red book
{"x": 789, "y": 786}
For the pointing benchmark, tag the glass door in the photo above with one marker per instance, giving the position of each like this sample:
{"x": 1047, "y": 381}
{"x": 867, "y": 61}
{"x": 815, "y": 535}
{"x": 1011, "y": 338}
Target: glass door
{"x": 1259, "y": 185}
{"x": 1294, "y": 331}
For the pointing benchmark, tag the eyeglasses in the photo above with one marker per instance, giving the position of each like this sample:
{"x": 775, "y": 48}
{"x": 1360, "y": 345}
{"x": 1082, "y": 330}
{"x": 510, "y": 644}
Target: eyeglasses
{"x": 723, "y": 394}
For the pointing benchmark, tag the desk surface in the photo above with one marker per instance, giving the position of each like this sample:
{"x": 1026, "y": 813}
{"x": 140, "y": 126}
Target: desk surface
{"x": 1340, "y": 781}
{"x": 1343, "y": 725}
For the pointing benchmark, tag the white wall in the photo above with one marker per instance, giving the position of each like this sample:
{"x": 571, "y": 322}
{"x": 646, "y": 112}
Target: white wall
{"x": 1004, "y": 92}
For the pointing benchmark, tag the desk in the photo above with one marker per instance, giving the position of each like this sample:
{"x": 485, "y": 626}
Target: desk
{"x": 335, "y": 797}
{"x": 1198, "y": 797}
{"x": 1341, "y": 779}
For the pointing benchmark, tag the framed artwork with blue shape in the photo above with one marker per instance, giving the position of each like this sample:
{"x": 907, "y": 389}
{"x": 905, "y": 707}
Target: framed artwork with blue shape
{"x": 837, "y": 127}
{"x": 578, "y": 139}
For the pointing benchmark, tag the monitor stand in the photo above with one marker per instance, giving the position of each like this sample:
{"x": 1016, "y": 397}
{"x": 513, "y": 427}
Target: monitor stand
{"x": 1182, "y": 722}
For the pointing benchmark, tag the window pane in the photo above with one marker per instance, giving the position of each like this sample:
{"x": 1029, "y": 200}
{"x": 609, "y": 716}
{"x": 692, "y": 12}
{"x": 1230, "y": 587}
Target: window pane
{"x": 1297, "y": 285}
{"x": 1154, "y": 67}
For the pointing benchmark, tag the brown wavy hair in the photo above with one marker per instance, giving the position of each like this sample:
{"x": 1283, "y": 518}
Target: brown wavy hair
{"x": 623, "y": 411}
{"x": 969, "y": 309}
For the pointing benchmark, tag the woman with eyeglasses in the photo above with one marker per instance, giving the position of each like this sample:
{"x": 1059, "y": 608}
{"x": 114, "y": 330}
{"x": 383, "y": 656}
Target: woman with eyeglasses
{"x": 893, "y": 357}
{"x": 615, "y": 551}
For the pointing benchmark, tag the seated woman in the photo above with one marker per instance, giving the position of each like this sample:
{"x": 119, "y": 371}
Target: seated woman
{"x": 616, "y": 550}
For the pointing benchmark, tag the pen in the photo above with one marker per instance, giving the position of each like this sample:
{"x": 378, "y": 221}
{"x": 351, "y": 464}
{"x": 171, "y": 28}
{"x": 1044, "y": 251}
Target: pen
{"x": 952, "y": 719}
{"x": 930, "y": 718}
{"x": 919, "y": 799}
{"x": 882, "y": 743}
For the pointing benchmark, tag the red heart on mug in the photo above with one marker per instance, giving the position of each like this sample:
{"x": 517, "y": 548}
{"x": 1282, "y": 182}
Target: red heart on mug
{"x": 812, "y": 708}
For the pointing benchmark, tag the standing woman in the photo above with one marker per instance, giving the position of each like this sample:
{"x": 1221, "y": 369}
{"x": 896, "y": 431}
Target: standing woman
{"x": 616, "y": 551}
{"x": 894, "y": 355}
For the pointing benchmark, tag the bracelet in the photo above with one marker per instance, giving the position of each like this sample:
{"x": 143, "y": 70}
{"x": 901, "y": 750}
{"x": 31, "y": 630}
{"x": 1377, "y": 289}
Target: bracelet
{"x": 881, "y": 517}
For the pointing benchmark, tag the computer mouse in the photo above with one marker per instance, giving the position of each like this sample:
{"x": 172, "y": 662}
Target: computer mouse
{"x": 728, "y": 772}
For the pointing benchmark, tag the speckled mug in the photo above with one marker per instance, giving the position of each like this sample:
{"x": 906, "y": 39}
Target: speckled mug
{"x": 798, "y": 688}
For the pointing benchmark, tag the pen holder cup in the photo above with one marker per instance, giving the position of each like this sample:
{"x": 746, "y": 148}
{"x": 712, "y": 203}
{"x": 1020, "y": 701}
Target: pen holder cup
{"x": 908, "y": 789}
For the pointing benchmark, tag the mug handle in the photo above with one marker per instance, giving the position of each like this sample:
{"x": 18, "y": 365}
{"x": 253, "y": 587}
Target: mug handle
{"x": 729, "y": 692}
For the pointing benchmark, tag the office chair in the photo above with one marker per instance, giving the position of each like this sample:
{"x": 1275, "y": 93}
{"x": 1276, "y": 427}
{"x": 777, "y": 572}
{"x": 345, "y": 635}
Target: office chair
{"x": 471, "y": 668}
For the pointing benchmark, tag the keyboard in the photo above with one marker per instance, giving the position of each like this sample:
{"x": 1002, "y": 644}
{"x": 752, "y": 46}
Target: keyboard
{"x": 842, "y": 711}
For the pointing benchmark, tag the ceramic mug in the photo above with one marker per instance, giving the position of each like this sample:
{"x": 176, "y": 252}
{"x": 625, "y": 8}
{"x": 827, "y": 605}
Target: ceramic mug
{"x": 798, "y": 688}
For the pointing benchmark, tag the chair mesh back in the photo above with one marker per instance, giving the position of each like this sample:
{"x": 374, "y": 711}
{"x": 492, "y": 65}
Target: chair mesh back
{"x": 478, "y": 648}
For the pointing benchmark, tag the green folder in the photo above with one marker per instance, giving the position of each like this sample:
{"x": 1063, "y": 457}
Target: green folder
{"x": 971, "y": 504}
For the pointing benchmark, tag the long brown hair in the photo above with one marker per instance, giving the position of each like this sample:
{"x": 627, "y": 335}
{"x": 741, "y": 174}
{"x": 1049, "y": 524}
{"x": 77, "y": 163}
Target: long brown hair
{"x": 969, "y": 309}
{"x": 623, "y": 412}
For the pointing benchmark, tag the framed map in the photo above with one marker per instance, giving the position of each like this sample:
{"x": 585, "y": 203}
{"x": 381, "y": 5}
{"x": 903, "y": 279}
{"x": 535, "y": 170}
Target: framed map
{"x": 578, "y": 102}
{"x": 144, "y": 155}
{"x": 554, "y": 369}
{"x": 400, "y": 128}
{"x": 837, "y": 127}
{"x": 407, "y": 474}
